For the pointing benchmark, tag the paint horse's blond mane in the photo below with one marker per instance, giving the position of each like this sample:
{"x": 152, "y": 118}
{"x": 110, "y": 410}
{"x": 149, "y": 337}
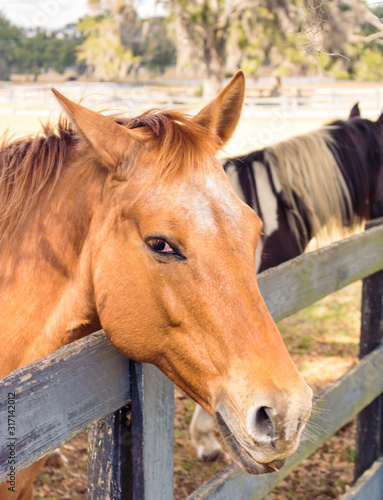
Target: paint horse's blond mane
{"x": 307, "y": 169}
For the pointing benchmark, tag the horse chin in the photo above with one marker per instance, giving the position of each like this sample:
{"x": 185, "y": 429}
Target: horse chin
{"x": 241, "y": 455}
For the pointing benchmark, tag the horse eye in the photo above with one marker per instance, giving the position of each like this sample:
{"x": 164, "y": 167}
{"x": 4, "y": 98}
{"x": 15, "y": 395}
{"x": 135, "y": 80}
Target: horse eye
{"x": 160, "y": 246}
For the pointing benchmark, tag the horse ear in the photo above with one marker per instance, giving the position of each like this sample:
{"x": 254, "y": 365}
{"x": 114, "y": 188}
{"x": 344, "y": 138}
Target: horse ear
{"x": 106, "y": 137}
{"x": 222, "y": 114}
{"x": 379, "y": 122}
{"x": 354, "y": 111}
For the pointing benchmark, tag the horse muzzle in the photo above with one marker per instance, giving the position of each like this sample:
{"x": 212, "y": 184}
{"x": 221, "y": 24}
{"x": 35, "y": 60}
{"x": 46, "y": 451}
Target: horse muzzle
{"x": 268, "y": 436}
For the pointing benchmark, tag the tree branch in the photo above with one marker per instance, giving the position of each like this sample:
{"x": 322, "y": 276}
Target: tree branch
{"x": 368, "y": 38}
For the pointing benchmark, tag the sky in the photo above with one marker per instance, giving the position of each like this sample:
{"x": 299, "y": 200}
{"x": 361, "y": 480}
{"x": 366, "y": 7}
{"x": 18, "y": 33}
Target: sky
{"x": 54, "y": 14}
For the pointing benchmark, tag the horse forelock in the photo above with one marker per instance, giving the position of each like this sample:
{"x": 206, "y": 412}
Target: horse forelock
{"x": 182, "y": 148}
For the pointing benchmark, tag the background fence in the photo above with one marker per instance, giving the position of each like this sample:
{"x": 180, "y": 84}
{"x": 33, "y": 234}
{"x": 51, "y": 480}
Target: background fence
{"x": 301, "y": 101}
{"x": 131, "y": 447}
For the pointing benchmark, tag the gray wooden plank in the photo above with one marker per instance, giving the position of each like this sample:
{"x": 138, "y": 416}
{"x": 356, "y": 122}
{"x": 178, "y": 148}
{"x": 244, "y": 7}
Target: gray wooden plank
{"x": 296, "y": 284}
{"x": 335, "y": 406}
{"x": 58, "y": 396}
{"x": 369, "y": 485}
{"x": 108, "y": 457}
{"x": 152, "y": 429}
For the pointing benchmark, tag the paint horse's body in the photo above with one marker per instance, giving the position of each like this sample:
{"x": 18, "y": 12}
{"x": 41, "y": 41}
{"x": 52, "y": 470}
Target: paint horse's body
{"x": 133, "y": 227}
{"x": 311, "y": 184}
{"x": 324, "y": 180}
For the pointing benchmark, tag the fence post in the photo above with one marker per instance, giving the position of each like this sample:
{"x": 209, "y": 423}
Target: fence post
{"x": 108, "y": 457}
{"x": 152, "y": 433}
{"x": 369, "y": 421}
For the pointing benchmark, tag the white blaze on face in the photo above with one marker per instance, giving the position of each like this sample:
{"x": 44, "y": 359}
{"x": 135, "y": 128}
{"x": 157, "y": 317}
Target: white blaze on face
{"x": 200, "y": 199}
{"x": 195, "y": 202}
{"x": 224, "y": 195}
{"x": 199, "y": 211}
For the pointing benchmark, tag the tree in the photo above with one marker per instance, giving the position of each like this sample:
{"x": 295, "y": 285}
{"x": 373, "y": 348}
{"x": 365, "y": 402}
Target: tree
{"x": 118, "y": 42}
{"x": 10, "y": 40}
{"x": 270, "y": 38}
{"x": 25, "y": 52}
{"x": 351, "y": 39}
{"x": 291, "y": 36}
{"x": 149, "y": 39}
{"x": 202, "y": 32}
{"x": 102, "y": 50}
{"x": 209, "y": 30}
{"x": 40, "y": 51}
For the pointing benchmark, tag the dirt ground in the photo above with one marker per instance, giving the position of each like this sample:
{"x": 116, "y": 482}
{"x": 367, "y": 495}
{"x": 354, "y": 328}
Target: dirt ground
{"x": 323, "y": 341}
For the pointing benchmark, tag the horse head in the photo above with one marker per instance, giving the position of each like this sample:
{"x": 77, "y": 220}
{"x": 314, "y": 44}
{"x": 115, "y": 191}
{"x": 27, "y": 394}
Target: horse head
{"x": 377, "y": 197}
{"x": 171, "y": 255}
{"x": 374, "y": 160}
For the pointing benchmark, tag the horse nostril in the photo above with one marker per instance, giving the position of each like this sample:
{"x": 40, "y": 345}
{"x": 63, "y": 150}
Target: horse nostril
{"x": 263, "y": 422}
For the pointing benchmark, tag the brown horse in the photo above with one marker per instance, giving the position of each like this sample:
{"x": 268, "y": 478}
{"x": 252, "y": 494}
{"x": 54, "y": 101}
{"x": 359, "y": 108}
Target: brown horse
{"x": 131, "y": 225}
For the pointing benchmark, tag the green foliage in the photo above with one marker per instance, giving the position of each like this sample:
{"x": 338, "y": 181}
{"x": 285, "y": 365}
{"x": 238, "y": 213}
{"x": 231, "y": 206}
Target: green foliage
{"x": 338, "y": 71}
{"x": 117, "y": 42}
{"x": 42, "y": 51}
{"x": 369, "y": 65}
{"x": 219, "y": 35}
{"x": 102, "y": 50}
{"x": 291, "y": 38}
{"x": 10, "y": 39}
{"x": 148, "y": 39}
{"x": 378, "y": 11}
{"x": 33, "y": 53}
{"x": 156, "y": 50}
{"x": 298, "y": 57}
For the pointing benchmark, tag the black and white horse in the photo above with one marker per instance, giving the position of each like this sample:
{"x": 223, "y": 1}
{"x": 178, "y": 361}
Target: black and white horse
{"x": 305, "y": 187}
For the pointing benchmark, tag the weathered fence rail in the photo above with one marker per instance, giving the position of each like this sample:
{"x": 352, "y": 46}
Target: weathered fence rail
{"x": 58, "y": 397}
{"x": 335, "y": 406}
{"x": 131, "y": 447}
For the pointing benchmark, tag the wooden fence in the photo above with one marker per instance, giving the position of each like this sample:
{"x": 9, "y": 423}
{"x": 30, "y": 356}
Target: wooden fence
{"x": 129, "y": 406}
{"x": 305, "y": 102}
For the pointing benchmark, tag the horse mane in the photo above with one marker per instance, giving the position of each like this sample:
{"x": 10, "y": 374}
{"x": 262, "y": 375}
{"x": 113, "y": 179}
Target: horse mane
{"x": 308, "y": 170}
{"x": 29, "y": 164}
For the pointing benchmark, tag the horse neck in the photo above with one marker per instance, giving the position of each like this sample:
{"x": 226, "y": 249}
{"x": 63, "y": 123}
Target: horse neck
{"x": 47, "y": 288}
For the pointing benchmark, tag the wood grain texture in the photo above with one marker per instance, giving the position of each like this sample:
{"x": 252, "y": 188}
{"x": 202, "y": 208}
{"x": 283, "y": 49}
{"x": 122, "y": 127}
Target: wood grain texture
{"x": 369, "y": 421}
{"x": 58, "y": 396}
{"x": 296, "y": 284}
{"x": 369, "y": 486}
{"x": 152, "y": 433}
{"x": 109, "y": 443}
{"x": 335, "y": 406}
